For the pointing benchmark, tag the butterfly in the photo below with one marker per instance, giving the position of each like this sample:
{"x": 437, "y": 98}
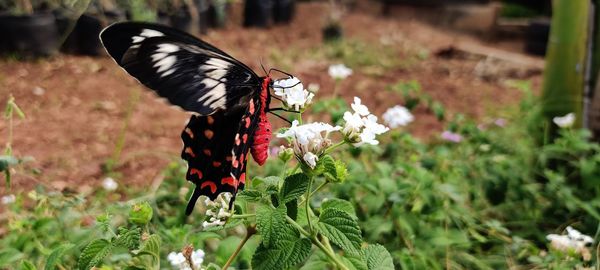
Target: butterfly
{"x": 228, "y": 99}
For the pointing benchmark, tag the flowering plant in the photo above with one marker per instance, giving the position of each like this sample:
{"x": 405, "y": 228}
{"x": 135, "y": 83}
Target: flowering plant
{"x": 283, "y": 210}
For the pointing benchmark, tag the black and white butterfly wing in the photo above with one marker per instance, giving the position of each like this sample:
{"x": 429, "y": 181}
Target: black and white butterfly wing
{"x": 190, "y": 73}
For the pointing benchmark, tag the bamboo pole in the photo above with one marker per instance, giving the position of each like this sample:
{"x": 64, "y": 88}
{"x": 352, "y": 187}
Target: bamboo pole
{"x": 563, "y": 83}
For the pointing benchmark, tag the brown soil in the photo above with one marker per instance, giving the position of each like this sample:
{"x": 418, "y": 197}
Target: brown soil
{"x": 72, "y": 128}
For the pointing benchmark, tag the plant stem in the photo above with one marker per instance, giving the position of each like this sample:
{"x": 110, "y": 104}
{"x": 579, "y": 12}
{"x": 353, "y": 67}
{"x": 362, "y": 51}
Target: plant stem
{"x": 133, "y": 100}
{"x": 242, "y": 216}
{"x": 314, "y": 240}
{"x": 250, "y": 231}
{"x": 307, "y": 201}
{"x": 316, "y": 190}
{"x": 333, "y": 147}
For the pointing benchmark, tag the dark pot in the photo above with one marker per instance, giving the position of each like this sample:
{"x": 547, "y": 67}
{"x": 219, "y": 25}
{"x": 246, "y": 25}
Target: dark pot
{"x": 30, "y": 35}
{"x": 257, "y": 13}
{"x": 283, "y": 11}
{"x": 217, "y": 15}
{"x": 83, "y": 36}
{"x": 203, "y": 7}
{"x": 332, "y": 32}
{"x": 537, "y": 35}
{"x": 181, "y": 20}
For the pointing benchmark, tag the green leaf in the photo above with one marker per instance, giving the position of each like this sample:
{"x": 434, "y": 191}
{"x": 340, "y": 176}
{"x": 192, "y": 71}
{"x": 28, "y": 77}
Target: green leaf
{"x": 249, "y": 195}
{"x": 128, "y": 238}
{"x": 212, "y": 266}
{"x": 140, "y": 213}
{"x": 341, "y": 229}
{"x": 269, "y": 222}
{"x": 317, "y": 261}
{"x": 151, "y": 247}
{"x": 56, "y": 255}
{"x": 378, "y": 258}
{"x": 289, "y": 250}
{"x": 339, "y": 204}
{"x": 355, "y": 261}
{"x": 27, "y": 265}
{"x": 94, "y": 253}
{"x": 292, "y": 209}
{"x": 294, "y": 186}
{"x": 329, "y": 169}
{"x": 260, "y": 183}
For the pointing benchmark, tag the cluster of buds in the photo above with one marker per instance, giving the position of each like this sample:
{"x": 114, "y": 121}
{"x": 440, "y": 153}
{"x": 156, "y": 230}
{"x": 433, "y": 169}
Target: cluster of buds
{"x": 217, "y": 211}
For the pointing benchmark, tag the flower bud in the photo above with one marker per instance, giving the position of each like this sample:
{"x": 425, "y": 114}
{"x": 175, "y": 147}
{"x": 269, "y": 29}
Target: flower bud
{"x": 140, "y": 213}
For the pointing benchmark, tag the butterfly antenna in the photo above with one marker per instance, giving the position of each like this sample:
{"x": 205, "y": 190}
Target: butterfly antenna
{"x": 281, "y": 71}
{"x": 263, "y": 67}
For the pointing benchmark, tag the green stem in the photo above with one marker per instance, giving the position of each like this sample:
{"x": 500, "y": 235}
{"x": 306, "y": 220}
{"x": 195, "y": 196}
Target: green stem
{"x": 314, "y": 240}
{"x": 242, "y": 216}
{"x": 133, "y": 100}
{"x": 333, "y": 147}
{"x": 307, "y": 206}
{"x": 316, "y": 190}
{"x": 250, "y": 231}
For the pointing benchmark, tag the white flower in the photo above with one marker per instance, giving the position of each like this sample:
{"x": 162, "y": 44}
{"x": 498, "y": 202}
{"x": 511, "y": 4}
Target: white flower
{"x": 574, "y": 241}
{"x": 339, "y": 71}
{"x": 311, "y": 159}
{"x": 109, "y": 184}
{"x": 293, "y": 93}
{"x": 8, "y": 199}
{"x": 178, "y": 261}
{"x": 217, "y": 211}
{"x": 359, "y": 108}
{"x": 564, "y": 121}
{"x": 361, "y": 127}
{"x": 397, "y": 116}
{"x": 311, "y": 139}
{"x": 313, "y": 87}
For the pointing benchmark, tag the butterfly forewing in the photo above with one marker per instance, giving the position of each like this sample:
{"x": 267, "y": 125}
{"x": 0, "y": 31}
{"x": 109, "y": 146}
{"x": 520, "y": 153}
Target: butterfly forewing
{"x": 187, "y": 71}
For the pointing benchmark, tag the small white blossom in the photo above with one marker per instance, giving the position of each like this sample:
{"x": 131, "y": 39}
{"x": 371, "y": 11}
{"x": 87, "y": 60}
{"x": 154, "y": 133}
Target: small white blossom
{"x": 311, "y": 159}
{"x": 311, "y": 139}
{"x": 565, "y": 121}
{"x": 178, "y": 261}
{"x": 397, "y": 116}
{"x": 339, "y": 71}
{"x": 359, "y": 108}
{"x": 361, "y": 127}
{"x": 217, "y": 211}
{"x": 109, "y": 184}
{"x": 293, "y": 93}
{"x": 313, "y": 87}
{"x": 8, "y": 199}
{"x": 574, "y": 241}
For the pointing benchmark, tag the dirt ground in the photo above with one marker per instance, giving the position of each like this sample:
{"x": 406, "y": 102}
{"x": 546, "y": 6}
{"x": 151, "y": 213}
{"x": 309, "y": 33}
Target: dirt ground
{"x": 75, "y": 105}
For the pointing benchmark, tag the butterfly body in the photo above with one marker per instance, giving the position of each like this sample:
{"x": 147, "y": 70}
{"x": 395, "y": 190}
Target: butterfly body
{"x": 228, "y": 100}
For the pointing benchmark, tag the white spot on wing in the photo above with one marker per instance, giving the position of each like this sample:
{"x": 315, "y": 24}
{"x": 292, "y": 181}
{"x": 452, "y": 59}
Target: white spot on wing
{"x": 165, "y": 64}
{"x": 151, "y": 33}
{"x": 215, "y": 70}
{"x": 167, "y": 48}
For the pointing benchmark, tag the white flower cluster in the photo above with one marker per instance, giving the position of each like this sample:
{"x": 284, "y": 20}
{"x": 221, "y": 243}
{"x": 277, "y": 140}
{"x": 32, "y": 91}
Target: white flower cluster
{"x": 217, "y": 211}
{"x": 309, "y": 141}
{"x": 397, "y": 116}
{"x": 339, "y": 71}
{"x": 178, "y": 261}
{"x": 565, "y": 121}
{"x": 361, "y": 127}
{"x": 573, "y": 241}
{"x": 293, "y": 94}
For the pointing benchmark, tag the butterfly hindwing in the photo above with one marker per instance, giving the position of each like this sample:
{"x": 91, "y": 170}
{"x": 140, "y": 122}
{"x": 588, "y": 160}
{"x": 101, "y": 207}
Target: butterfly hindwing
{"x": 190, "y": 73}
{"x": 207, "y": 147}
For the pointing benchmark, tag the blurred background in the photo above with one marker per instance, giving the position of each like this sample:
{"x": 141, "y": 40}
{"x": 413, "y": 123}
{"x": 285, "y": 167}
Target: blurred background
{"x": 81, "y": 134}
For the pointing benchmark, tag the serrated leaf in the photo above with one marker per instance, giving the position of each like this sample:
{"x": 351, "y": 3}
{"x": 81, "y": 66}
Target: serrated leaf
{"x": 151, "y": 247}
{"x": 317, "y": 261}
{"x": 341, "y": 229}
{"x": 339, "y": 204}
{"x": 249, "y": 195}
{"x": 269, "y": 223}
{"x": 354, "y": 262}
{"x": 260, "y": 183}
{"x": 27, "y": 265}
{"x": 289, "y": 250}
{"x": 294, "y": 186}
{"x": 378, "y": 258}
{"x": 94, "y": 253}
{"x": 329, "y": 169}
{"x": 128, "y": 238}
{"x": 56, "y": 255}
{"x": 292, "y": 209}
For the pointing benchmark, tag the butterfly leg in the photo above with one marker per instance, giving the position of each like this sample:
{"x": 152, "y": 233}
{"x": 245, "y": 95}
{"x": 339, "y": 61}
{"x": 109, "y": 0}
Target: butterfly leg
{"x": 282, "y": 109}
{"x": 281, "y": 117}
